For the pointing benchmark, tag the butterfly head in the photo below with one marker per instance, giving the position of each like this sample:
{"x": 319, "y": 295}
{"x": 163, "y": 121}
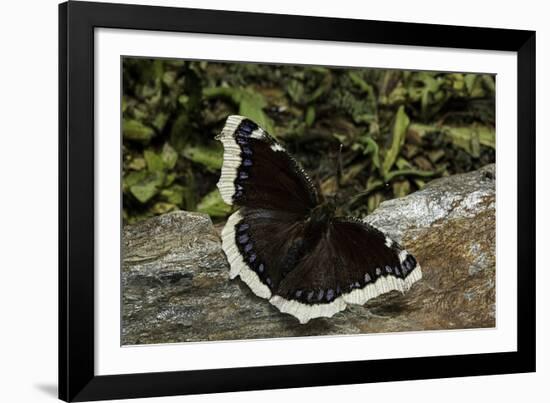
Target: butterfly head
{"x": 323, "y": 213}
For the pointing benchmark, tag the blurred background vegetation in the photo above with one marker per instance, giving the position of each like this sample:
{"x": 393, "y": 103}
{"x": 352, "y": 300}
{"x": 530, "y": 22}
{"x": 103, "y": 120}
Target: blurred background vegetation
{"x": 397, "y": 130}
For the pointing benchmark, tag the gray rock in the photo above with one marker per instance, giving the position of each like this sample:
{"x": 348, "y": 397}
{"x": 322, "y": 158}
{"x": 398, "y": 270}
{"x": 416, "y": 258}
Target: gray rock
{"x": 176, "y": 286}
{"x": 458, "y": 196}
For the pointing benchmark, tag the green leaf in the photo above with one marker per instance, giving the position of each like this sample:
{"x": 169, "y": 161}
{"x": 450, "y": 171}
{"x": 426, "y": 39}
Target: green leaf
{"x": 137, "y": 164}
{"x": 402, "y": 163}
{"x": 158, "y": 69}
{"x": 162, "y": 208}
{"x": 419, "y": 183}
{"x": 154, "y": 161}
{"x": 250, "y": 103}
{"x": 362, "y": 84}
{"x": 169, "y": 77}
{"x": 342, "y": 138}
{"x": 210, "y": 157}
{"x": 469, "y": 80}
{"x": 401, "y": 188}
{"x": 469, "y": 138}
{"x": 174, "y": 194}
{"x": 371, "y": 101}
{"x": 190, "y": 192}
{"x": 489, "y": 82}
{"x": 457, "y": 81}
{"x": 160, "y": 121}
{"x": 475, "y": 146}
{"x": 478, "y": 84}
{"x": 137, "y": 131}
{"x": 295, "y": 90}
{"x": 426, "y": 88}
{"x": 183, "y": 100}
{"x": 148, "y": 187}
{"x": 213, "y": 205}
{"x": 180, "y": 132}
{"x": 366, "y": 118}
{"x": 374, "y": 201}
{"x": 310, "y": 115}
{"x": 323, "y": 86}
{"x": 169, "y": 156}
{"x": 132, "y": 178}
{"x": 398, "y": 138}
{"x": 422, "y": 129}
{"x": 372, "y": 148}
{"x": 170, "y": 178}
{"x": 435, "y": 155}
{"x": 461, "y": 136}
{"x": 374, "y": 184}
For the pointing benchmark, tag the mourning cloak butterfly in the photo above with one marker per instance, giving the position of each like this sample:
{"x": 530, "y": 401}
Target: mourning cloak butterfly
{"x": 289, "y": 247}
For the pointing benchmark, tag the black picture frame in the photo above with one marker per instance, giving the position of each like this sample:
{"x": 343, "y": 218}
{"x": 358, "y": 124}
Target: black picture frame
{"x": 77, "y": 21}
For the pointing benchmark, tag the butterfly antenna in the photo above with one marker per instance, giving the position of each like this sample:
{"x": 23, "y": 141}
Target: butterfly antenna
{"x": 317, "y": 184}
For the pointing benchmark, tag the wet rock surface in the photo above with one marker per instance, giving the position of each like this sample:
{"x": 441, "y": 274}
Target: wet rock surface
{"x": 176, "y": 288}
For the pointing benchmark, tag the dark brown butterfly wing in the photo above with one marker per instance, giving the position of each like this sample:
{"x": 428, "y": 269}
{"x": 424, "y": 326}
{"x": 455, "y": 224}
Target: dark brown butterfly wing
{"x": 262, "y": 246}
{"x": 258, "y": 172}
{"x": 351, "y": 263}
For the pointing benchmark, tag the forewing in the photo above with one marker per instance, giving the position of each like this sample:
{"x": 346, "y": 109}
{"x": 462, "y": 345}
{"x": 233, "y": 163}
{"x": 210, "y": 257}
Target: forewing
{"x": 258, "y": 172}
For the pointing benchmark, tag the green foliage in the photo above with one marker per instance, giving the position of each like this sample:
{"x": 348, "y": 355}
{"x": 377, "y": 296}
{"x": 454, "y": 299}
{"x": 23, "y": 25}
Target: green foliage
{"x": 398, "y": 129}
{"x": 210, "y": 157}
{"x": 249, "y": 102}
{"x": 137, "y": 131}
{"x": 397, "y": 140}
{"x": 213, "y": 205}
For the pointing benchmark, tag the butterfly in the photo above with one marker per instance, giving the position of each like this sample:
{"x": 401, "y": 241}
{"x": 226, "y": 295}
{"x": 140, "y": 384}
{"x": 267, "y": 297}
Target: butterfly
{"x": 287, "y": 245}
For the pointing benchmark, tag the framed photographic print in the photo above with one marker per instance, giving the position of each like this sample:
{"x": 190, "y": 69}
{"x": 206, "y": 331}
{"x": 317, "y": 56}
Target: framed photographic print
{"x": 259, "y": 201}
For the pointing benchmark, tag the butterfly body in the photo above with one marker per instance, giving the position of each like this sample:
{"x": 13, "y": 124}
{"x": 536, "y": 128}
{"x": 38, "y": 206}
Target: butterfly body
{"x": 321, "y": 216}
{"x": 287, "y": 245}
